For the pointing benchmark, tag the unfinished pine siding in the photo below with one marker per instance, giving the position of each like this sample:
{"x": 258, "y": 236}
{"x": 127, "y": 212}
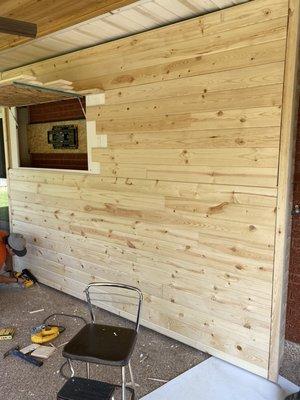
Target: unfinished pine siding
{"x": 185, "y": 205}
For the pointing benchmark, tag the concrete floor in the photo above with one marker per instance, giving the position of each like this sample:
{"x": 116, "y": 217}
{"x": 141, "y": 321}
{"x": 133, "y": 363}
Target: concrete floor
{"x": 155, "y": 357}
{"x": 290, "y": 367}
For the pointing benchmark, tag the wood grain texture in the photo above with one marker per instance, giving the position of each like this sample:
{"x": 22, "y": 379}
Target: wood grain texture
{"x": 127, "y": 20}
{"x": 284, "y": 200}
{"x": 52, "y": 16}
{"x": 18, "y": 94}
{"x": 185, "y": 204}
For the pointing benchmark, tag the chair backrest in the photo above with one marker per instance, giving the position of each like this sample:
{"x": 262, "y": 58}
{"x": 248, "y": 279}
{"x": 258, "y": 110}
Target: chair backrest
{"x": 121, "y": 296}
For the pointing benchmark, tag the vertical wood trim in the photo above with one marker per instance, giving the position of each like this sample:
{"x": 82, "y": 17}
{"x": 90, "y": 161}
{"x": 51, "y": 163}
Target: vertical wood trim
{"x": 11, "y": 116}
{"x": 284, "y": 201}
{"x": 93, "y": 140}
{"x": 93, "y": 167}
{"x": 6, "y": 140}
{"x": 8, "y": 158}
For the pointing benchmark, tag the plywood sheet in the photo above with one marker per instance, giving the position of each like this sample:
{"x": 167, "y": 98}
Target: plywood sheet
{"x": 17, "y": 94}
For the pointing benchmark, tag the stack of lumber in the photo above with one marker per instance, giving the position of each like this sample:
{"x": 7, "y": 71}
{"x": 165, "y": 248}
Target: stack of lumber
{"x": 23, "y": 90}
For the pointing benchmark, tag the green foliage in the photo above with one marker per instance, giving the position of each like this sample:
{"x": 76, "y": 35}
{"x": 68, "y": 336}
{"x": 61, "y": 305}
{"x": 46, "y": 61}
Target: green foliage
{"x": 3, "y": 205}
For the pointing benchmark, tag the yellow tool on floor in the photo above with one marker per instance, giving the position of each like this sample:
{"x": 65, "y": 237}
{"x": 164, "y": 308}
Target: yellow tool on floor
{"x": 27, "y": 282}
{"x": 45, "y": 333}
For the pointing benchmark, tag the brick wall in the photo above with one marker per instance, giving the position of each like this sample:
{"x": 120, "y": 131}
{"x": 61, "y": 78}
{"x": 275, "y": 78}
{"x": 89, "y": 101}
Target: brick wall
{"x": 78, "y": 161}
{"x": 293, "y": 306}
{"x": 57, "y": 111}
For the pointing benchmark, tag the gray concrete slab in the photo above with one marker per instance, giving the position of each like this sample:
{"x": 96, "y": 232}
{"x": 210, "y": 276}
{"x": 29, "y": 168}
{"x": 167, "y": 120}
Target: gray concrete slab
{"x": 156, "y": 356}
{"x": 290, "y": 368}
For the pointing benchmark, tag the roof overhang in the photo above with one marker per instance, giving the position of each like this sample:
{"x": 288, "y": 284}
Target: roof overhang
{"x": 88, "y": 25}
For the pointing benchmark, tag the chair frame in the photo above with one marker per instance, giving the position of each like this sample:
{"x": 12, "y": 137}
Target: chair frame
{"x": 93, "y": 319}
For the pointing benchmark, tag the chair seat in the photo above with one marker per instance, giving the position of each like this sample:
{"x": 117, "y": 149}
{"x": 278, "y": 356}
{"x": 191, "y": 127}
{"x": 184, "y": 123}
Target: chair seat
{"x": 80, "y": 388}
{"x": 102, "y": 344}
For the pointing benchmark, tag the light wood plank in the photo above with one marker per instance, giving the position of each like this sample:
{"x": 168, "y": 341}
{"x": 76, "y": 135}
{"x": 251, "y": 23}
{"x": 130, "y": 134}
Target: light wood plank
{"x": 205, "y": 120}
{"x": 211, "y": 139}
{"x": 284, "y": 202}
{"x": 269, "y": 96}
{"x": 262, "y": 75}
{"x": 231, "y": 157}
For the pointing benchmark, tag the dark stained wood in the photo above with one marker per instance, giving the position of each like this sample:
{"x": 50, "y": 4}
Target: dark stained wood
{"x": 16, "y": 27}
{"x": 76, "y": 161}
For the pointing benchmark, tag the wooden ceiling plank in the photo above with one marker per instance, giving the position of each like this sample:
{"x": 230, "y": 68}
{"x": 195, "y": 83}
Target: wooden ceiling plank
{"x": 176, "y": 7}
{"x": 124, "y": 23}
{"x": 134, "y": 15}
{"x": 158, "y": 10}
{"x": 142, "y": 18}
{"x": 204, "y": 4}
{"x": 57, "y": 45}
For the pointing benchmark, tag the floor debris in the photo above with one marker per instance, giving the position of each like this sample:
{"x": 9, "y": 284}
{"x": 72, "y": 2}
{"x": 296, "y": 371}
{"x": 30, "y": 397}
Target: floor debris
{"x": 37, "y": 311}
{"x": 63, "y": 344}
{"x": 143, "y": 357}
{"x": 43, "y": 352}
{"x": 30, "y": 348}
{"x": 45, "y": 382}
{"x": 158, "y": 380}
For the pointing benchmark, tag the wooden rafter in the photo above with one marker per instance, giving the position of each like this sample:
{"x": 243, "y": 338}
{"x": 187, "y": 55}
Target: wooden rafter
{"x": 15, "y": 27}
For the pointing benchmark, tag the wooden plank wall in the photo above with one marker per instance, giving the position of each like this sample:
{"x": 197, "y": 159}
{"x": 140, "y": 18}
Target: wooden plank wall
{"x": 185, "y": 205}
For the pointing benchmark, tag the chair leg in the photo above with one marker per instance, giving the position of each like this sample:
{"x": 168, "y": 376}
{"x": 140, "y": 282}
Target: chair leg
{"x": 88, "y": 370}
{"x": 71, "y": 368}
{"x": 132, "y": 382}
{"x": 131, "y": 375}
{"x": 123, "y": 384}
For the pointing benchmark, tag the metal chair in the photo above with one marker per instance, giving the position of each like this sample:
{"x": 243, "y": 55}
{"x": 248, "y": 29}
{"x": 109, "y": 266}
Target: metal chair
{"x": 105, "y": 344}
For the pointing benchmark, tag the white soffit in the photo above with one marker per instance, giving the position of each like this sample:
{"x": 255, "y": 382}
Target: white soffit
{"x": 136, "y": 17}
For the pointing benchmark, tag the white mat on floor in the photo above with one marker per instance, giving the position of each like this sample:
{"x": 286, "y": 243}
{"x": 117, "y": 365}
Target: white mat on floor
{"x": 215, "y": 379}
